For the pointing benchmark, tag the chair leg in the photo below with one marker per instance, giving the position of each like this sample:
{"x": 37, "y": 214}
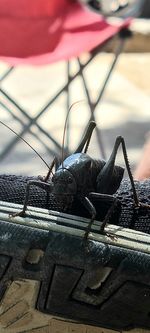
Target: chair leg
{"x": 92, "y": 109}
{"x": 34, "y": 120}
{"x": 19, "y": 120}
{"x": 102, "y": 91}
{"x": 117, "y": 54}
{"x": 6, "y": 73}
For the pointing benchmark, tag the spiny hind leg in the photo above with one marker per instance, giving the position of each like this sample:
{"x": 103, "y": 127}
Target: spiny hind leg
{"x": 86, "y": 138}
{"x": 137, "y": 203}
{"x": 105, "y": 176}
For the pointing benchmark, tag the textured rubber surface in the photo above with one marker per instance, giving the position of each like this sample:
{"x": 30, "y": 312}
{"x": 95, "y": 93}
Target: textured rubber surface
{"x": 19, "y": 315}
{"x": 12, "y": 189}
{"x": 48, "y": 271}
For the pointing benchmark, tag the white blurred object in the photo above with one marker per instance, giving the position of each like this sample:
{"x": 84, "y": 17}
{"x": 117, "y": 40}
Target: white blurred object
{"x": 121, "y": 8}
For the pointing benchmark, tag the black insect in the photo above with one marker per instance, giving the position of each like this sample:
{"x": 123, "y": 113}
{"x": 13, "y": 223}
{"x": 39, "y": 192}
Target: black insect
{"x": 81, "y": 177}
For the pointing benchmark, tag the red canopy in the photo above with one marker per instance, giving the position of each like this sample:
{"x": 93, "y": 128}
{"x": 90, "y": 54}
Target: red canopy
{"x": 44, "y": 31}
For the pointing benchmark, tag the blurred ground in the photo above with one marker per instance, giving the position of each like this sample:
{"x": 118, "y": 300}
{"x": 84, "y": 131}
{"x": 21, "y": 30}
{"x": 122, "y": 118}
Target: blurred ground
{"x": 124, "y": 109}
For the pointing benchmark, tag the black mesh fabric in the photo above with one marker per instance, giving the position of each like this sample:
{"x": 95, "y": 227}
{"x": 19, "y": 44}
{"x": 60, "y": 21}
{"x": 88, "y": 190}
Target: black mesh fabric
{"x": 12, "y": 189}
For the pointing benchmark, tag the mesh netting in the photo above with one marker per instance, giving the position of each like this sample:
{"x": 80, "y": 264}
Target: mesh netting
{"x": 12, "y": 189}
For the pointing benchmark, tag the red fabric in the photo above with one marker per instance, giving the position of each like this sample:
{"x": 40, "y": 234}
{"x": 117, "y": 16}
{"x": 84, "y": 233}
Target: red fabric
{"x": 44, "y": 31}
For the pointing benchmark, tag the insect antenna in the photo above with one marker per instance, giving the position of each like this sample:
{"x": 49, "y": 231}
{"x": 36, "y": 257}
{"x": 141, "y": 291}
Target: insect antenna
{"x": 65, "y": 126}
{"x": 20, "y": 137}
{"x": 50, "y": 170}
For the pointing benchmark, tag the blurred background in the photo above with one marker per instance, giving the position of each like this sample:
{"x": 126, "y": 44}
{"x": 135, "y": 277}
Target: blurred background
{"x": 124, "y": 109}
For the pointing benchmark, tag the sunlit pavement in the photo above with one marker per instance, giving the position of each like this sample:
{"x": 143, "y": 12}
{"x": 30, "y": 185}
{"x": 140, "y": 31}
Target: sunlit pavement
{"x": 124, "y": 109}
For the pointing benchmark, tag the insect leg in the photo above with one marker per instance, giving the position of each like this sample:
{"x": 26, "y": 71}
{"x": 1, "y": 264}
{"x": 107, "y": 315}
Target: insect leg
{"x": 120, "y": 140}
{"x": 91, "y": 209}
{"x": 101, "y": 196}
{"x": 43, "y": 185}
{"x": 56, "y": 163}
{"x": 108, "y": 216}
{"x": 105, "y": 198}
{"x": 105, "y": 177}
{"x": 135, "y": 195}
{"x": 86, "y": 138}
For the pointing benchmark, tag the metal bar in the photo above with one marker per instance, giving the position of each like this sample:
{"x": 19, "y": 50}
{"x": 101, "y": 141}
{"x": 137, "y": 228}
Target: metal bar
{"x": 117, "y": 53}
{"x": 6, "y": 73}
{"x": 92, "y": 109}
{"x": 16, "y": 140}
{"x": 30, "y": 131}
{"x": 94, "y": 105}
{"x": 33, "y": 120}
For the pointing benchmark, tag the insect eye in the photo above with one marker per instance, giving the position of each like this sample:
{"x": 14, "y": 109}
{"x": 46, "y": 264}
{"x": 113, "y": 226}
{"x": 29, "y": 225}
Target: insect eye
{"x": 69, "y": 180}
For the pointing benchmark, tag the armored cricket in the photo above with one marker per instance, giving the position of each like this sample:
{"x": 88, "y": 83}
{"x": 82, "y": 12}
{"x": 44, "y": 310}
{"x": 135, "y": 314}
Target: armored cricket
{"x": 82, "y": 177}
